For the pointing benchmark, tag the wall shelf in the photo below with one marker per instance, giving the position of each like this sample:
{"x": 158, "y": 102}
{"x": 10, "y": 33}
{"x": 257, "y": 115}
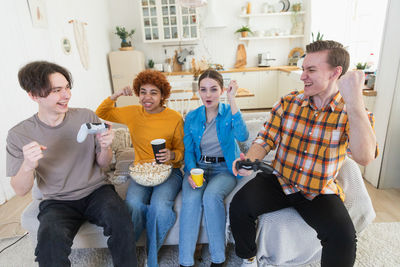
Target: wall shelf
{"x": 270, "y": 37}
{"x": 271, "y": 14}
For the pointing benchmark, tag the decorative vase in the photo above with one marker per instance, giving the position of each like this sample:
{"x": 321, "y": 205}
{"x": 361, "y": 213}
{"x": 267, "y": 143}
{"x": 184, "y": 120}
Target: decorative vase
{"x": 125, "y": 46}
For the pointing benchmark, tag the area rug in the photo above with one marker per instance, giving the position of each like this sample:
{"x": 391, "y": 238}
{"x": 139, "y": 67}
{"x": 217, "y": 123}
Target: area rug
{"x": 378, "y": 245}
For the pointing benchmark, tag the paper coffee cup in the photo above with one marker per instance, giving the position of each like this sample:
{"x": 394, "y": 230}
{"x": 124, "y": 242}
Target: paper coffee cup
{"x": 157, "y": 145}
{"x": 197, "y": 176}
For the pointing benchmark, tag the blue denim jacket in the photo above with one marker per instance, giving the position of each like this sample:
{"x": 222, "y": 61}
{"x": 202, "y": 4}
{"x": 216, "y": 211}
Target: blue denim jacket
{"x": 229, "y": 128}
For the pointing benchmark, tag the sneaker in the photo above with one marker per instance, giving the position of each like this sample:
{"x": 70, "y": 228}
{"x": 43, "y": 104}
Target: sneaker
{"x": 252, "y": 262}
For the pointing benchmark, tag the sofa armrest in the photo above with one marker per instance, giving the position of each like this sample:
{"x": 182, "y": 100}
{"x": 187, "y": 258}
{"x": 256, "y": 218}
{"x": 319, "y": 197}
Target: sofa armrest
{"x": 357, "y": 201}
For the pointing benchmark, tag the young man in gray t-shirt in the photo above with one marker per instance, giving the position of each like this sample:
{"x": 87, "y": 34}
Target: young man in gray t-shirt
{"x": 68, "y": 173}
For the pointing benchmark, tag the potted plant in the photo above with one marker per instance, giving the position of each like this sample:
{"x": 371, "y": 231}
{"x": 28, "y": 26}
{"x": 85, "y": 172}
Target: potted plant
{"x": 124, "y": 35}
{"x": 244, "y": 30}
{"x": 150, "y": 64}
{"x": 296, "y": 7}
{"x": 319, "y": 37}
{"x": 361, "y": 66}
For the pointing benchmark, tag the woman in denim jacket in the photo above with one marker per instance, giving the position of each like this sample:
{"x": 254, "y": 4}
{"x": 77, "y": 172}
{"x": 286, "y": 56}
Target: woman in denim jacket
{"x": 210, "y": 134}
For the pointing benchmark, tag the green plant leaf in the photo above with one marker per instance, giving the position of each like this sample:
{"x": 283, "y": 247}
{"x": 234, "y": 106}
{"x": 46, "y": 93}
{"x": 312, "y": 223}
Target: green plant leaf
{"x": 244, "y": 28}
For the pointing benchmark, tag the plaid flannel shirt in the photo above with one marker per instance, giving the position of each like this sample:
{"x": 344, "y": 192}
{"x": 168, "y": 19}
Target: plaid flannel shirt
{"x": 312, "y": 144}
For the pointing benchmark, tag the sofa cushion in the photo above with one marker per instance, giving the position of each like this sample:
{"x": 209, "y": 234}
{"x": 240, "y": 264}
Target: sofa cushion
{"x": 124, "y": 159}
{"x": 253, "y": 126}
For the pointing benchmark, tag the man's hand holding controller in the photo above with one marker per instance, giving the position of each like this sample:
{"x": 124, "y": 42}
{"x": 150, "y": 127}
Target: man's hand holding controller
{"x": 91, "y": 128}
{"x": 245, "y": 167}
{"x": 241, "y": 172}
{"x": 105, "y": 138}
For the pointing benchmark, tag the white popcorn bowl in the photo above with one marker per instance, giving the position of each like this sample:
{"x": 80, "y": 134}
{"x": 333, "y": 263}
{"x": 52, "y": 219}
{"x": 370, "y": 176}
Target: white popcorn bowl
{"x": 148, "y": 173}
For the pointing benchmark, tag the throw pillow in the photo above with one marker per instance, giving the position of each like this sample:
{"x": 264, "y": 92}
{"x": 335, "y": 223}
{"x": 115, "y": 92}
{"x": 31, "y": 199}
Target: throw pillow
{"x": 253, "y": 126}
{"x": 124, "y": 159}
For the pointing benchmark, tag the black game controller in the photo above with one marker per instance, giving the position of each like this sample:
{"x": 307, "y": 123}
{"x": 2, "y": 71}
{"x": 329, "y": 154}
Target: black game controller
{"x": 254, "y": 166}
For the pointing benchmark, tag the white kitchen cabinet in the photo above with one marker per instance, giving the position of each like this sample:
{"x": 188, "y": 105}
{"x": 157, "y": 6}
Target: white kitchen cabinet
{"x": 288, "y": 82}
{"x": 266, "y": 85}
{"x": 165, "y": 21}
{"x": 267, "y": 89}
{"x": 249, "y": 81}
{"x": 369, "y": 102}
{"x": 124, "y": 66}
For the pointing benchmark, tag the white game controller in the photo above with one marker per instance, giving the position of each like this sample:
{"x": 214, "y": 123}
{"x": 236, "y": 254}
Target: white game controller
{"x": 91, "y": 128}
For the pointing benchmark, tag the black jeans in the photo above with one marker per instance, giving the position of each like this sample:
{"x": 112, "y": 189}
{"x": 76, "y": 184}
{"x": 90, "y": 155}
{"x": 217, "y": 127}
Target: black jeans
{"x": 325, "y": 213}
{"x": 60, "y": 221}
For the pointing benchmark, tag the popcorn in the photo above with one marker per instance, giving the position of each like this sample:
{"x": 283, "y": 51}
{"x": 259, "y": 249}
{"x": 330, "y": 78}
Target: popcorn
{"x": 150, "y": 174}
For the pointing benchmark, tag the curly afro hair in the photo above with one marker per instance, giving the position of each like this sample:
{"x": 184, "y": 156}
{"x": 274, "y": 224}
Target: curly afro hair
{"x": 155, "y": 78}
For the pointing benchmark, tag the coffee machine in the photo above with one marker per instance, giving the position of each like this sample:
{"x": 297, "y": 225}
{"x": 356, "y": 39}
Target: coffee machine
{"x": 264, "y": 59}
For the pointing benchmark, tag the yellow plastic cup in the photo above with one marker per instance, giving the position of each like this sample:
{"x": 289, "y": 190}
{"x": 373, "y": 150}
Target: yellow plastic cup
{"x": 197, "y": 176}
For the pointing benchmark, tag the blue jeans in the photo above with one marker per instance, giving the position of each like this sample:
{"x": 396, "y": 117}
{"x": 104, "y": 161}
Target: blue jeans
{"x": 210, "y": 197}
{"x": 152, "y": 208}
{"x": 60, "y": 221}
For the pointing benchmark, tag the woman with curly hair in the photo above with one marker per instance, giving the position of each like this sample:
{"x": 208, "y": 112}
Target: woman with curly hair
{"x": 150, "y": 207}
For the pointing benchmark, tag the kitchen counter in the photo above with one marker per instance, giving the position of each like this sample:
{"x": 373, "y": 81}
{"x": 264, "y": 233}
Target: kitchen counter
{"x": 288, "y": 69}
{"x": 281, "y": 68}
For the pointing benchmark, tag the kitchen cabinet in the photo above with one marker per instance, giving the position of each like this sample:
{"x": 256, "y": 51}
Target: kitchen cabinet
{"x": 267, "y": 89}
{"x": 266, "y": 85}
{"x": 166, "y": 21}
{"x": 249, "y": 81}
{"x": 288, "y": 82}
{"x": 369, "y": 102}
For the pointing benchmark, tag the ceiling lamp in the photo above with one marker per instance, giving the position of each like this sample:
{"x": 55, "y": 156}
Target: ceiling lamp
{"x": 192, "y": 3}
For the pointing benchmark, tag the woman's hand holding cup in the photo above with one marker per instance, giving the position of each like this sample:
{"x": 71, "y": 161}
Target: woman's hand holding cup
{"x": 196, "y": 178}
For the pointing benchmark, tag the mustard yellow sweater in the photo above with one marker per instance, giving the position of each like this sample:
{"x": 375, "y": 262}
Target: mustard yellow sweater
{"x": 144, "y": 127}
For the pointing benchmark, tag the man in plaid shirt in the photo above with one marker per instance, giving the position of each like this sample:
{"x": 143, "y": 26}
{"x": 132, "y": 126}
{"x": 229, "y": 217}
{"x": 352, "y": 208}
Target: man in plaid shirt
{"x": 312, "y": 131}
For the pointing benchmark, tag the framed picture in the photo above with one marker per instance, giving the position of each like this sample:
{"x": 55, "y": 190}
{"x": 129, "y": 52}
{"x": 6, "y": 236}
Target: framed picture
{"x": 38, "y": 13}
{"x": 66, "y": 45}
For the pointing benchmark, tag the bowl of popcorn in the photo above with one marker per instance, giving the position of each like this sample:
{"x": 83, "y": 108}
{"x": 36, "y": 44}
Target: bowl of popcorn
{"x": 149, "y": 173}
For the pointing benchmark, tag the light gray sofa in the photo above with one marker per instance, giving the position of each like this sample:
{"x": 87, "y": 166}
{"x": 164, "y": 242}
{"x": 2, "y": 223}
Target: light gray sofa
{"x": 293, "y": 241}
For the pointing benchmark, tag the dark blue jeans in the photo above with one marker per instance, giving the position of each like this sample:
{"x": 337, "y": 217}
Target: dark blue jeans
{"x": 60, "y": 221}
{"x": 325, "y": 213}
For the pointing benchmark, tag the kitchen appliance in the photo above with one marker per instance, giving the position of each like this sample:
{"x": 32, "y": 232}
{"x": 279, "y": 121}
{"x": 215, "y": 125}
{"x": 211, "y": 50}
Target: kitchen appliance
{"x": 264, "y": 59}
{"x": 370, "y": 80}
{"x": 159, "y": 67}
{"x": 183, "y": 54}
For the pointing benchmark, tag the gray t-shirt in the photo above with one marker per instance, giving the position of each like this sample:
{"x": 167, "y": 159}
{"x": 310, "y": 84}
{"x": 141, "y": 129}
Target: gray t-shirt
{"x": 209, "y": 143}
{"x": 68, "y": 169}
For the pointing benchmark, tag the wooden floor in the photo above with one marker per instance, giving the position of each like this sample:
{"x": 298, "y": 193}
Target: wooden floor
{"x": 385, "y": 202}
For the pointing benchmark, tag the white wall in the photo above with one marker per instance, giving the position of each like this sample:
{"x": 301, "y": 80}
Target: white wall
{"x": 355, "y": 23}
{"x": 384, "y": 171}
{"x": 21, "y": 43}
